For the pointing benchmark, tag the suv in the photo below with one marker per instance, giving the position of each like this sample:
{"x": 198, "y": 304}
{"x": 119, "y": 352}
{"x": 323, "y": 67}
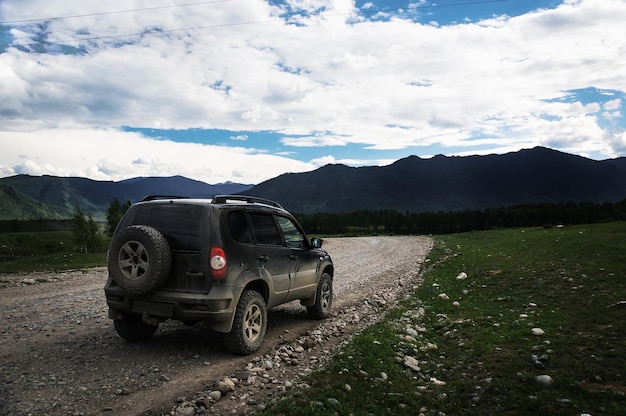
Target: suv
{"x": 223, "y": 261}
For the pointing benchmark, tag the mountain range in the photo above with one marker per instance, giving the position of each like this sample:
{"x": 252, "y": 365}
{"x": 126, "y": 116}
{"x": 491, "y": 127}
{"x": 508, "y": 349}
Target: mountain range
{"x": 25, "y": 197}
{"x": 441, "y": 183}
{"x": 412, "y": 184}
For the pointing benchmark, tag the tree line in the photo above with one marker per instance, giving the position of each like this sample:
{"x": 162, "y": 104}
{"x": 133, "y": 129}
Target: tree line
{"x": 395, "y": 222}
{"x": 90, "y": 236}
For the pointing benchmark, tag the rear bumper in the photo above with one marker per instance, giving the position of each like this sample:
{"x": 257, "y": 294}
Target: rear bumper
{"x": 216, "y": 307}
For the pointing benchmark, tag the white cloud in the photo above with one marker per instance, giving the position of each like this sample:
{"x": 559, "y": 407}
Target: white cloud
{"x": 318, "y": 140}
{"x": 114, "y": 155}
{"x": 618, "y": 142}
{"x": 612, "y": 105}
{"x": 325, "y": 160}
{"x": 241, "y": 138}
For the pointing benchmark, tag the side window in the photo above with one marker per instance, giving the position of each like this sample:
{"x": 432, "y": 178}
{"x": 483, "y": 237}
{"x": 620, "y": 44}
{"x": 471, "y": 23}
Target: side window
{"x": 293, "y": 236}
{"x": 265, "y": 229}
{"x": 238, "y": 226}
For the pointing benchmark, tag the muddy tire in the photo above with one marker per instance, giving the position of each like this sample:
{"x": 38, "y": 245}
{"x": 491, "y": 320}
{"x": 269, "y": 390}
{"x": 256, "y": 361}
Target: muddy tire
{"x": 249, "y": 325}
{"x": 133, "y": 329}
{"x": 139, "y": 259}
{"x": 323, "y": 298}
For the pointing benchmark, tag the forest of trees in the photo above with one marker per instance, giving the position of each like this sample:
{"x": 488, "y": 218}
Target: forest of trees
{"x": 394, "y": 222}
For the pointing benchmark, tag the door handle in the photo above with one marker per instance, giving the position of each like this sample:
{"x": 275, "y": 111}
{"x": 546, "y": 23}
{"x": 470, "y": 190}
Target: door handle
{"x": 264, "y": 257}
{"x": 293, "y": 256}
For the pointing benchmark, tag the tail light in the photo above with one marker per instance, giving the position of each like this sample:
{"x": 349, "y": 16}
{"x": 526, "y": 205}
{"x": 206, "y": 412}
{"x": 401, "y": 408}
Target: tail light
{"x": 218, "y": 263}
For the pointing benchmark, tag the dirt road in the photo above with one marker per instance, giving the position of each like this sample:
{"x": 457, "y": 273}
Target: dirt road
{"x": 59, "y": 353}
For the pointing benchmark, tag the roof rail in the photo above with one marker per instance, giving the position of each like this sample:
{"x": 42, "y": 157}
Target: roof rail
{"x": 222, "y": 199}
{"x": 153, "y": 197}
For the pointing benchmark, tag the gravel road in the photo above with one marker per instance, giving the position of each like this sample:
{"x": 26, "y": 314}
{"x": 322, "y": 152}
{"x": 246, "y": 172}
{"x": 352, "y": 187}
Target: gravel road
{"x": 59, "y": 353}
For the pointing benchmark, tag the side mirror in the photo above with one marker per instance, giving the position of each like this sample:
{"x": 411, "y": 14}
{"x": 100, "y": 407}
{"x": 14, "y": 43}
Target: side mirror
{"x": 316, "y": 242}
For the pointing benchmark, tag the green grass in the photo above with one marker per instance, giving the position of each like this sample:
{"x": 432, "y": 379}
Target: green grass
{"x": 24, "y": 252}
{"x": 565, "y": 281}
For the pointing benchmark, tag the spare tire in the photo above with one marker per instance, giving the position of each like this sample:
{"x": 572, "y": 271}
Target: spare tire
{"x": 139, "y": 259}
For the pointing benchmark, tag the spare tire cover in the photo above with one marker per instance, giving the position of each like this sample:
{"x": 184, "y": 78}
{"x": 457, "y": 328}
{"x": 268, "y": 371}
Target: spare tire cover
{"x": 139, "y": 259}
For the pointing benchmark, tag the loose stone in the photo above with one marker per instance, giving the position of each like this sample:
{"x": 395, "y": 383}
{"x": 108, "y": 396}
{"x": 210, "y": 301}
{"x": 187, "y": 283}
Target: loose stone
{"x": 412, "y": 363}
{"x": 222, "y": 387}
{"x": 186, "y": 411}
{"x": 544, "y": 380}
{"x": 437, "y": 382}
{"x": 333, "y": 401}
{"x": 537, "y": 331}
{"x": 243, "y": 375}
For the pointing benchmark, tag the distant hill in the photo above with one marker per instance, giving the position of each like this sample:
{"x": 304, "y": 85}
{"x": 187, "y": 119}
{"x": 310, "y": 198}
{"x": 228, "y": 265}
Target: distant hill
{"x": 441, "y": 183}
{"x": 21, "y": 207}
{"x": 412, "y": 184}
{"x": 27, "y": 197}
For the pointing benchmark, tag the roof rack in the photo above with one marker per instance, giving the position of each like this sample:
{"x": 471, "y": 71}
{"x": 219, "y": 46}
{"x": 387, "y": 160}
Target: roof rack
{"x": 222, "y": 199}
{"x": 153, "y": 197}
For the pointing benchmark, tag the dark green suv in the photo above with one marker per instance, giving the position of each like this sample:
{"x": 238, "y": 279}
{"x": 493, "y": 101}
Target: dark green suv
{"x": 223, "y": 261}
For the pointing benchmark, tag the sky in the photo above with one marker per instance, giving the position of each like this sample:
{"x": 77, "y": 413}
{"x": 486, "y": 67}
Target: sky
{"x": 246, "y": 90}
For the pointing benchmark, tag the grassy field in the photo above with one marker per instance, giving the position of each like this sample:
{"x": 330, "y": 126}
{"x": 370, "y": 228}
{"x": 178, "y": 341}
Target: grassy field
{"x": 44, "y": 251}
{"x": 470, "y": 341}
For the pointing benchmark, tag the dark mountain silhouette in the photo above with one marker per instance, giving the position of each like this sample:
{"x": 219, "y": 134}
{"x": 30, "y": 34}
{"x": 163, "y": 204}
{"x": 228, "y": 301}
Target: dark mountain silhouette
{"x": 441, "y": 183}
{"x": 36, "y": 197}
{"x": 412, "y": 184}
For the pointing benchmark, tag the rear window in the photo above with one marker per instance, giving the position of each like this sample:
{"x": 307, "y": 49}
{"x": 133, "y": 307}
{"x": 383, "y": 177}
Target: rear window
{"x": 181, "y": 224}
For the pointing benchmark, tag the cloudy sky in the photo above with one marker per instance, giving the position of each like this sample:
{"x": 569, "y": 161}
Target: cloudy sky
{"x": 245, "y": 90}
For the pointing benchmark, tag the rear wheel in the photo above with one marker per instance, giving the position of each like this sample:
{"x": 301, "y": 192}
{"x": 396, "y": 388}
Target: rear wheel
{"x": 323, "y": 298}
{"x": 133, "y": 329}
{"x": 249, "y": 325}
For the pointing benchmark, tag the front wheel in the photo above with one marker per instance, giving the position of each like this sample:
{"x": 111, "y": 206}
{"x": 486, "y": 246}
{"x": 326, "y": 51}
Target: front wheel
{"x": 323, "y": 298}
{"x": 249, "y": 324}
{"x": 133, "y": 329}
